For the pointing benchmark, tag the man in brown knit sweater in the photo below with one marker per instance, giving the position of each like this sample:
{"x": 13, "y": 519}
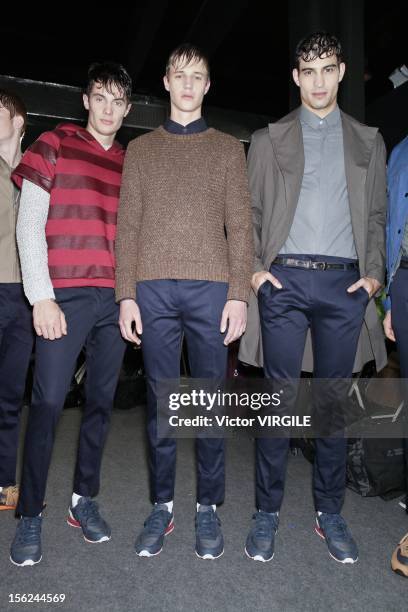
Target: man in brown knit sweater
{"x": 184, "y": 259}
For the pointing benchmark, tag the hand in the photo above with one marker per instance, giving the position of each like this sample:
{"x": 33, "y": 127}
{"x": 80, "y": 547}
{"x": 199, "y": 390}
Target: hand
{"x": 262, "y": 277}
{"x": 129, "y": 313}
{"x": 49, "y": 320}
{"x": 235, "y": 316}
{"x": 387, "y": 324}
{"x": 371, "y": 285}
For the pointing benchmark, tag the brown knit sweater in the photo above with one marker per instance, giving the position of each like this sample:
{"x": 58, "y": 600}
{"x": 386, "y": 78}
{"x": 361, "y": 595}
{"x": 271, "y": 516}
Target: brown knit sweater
{"x": 178, "y": 194}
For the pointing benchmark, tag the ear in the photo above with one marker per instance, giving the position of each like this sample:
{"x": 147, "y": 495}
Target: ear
{"x": 86, "y": 101}
{"x": 342, "y": 70}
{"x": 295, "y": 76}
{"x": 207, "y": 87}
{"x": 166, "y": 83}
{"x": 18, "y": 122}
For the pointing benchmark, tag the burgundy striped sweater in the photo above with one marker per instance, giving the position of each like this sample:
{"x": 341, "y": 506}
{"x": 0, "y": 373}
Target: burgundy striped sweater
{"x": 83, "y": 180}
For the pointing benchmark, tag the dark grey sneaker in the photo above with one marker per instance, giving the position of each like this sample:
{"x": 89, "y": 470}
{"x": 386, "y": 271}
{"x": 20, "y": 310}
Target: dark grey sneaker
{"x": 209, "y": 538}
{"x": 86, "y": 516}
{"x": 333, "y": 528}
{"x": 26, "y": 546}
{"x": 158, "y": 524}
{"x": 260, "y": 543}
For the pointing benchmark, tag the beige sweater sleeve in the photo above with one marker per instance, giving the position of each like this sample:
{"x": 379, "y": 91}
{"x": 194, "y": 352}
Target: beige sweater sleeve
{"x": 129, "y": 222}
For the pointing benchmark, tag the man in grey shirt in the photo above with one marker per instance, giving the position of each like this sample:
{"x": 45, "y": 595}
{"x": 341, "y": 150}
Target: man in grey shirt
{"x": 317, "y": 180}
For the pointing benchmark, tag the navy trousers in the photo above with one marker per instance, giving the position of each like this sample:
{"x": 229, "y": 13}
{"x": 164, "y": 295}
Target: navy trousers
{"x": 170, "y": 308}
{"x": 317, "y": 300}
{"x": 92, "y": 320}
{"x": 16, "y": 343}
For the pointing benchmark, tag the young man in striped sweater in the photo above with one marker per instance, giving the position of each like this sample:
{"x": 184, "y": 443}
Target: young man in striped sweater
{"x": 70, "y": 180}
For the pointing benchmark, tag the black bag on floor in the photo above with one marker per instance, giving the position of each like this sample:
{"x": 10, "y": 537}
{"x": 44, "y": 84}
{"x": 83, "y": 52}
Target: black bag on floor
{"x": 375, "y": 466}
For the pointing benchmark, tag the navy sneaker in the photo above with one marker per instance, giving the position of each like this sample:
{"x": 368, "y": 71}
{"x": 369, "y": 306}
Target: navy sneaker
{"x": 86, "y": 516}
{"x": 260, "y": 543}
{"x": 158, "y": 524}
{"x": 209, "y": 538}
{"x": 26, "y": 546}
{"x": 333, "y": 528}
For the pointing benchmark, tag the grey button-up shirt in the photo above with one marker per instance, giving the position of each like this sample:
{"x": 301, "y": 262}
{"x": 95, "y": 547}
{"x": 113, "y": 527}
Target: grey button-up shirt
{"x": 322, "y": 222}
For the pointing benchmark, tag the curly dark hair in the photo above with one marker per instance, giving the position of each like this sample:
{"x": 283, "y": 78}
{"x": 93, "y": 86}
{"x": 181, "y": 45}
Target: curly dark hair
{"x": 318, "y": 44}
{"x": 109, "y": 74}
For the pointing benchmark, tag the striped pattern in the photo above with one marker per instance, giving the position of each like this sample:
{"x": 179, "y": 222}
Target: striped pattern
{"x": 83, "y": 181}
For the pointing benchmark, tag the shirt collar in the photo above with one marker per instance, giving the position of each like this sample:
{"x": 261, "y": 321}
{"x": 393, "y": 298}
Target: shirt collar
{"x": 332, "y": 120}
{"x": 199, "y": 125}
{"x": 116, "y": 147}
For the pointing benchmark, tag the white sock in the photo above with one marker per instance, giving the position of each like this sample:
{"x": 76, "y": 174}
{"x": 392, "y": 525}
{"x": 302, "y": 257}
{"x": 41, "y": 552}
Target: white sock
{"x": 277, "y": 512}
{"x": 213, "y": 506}
{"x": 168, "y": 504}
{"x": 75, "y": 499}
{"x": 1, "y": 488}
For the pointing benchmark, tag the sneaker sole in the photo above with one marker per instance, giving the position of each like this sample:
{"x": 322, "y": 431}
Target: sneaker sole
{"x": 258, "y": 557}
{"x": 146, "y": 553}
{"x": 74, "y": 523}
{"x": 8, "y": 507}
{"x": 348, "y": 560}
{"x": 26, "y": 563}
{"x": 209, "y": 555}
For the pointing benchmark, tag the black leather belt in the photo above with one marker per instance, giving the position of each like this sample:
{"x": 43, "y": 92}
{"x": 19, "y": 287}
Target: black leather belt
{"x": 404, "y": 263}
{"x": 308, "y": 264}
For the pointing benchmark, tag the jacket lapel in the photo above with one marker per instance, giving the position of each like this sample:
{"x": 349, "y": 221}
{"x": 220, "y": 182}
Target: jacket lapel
{"x": 287, "y": 142}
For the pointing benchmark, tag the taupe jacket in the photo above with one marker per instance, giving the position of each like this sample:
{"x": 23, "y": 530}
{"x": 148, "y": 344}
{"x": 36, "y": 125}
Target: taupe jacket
{"x": 9, "y": 199}
{"x": 275, "y": 167}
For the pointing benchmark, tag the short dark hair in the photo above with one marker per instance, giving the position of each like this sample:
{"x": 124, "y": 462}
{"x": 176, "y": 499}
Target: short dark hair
{"x": 109, "y": 74}
{"x": 187, "y": 53}
{"x": 14, "y": 105}
{"x": 318, "y": 44}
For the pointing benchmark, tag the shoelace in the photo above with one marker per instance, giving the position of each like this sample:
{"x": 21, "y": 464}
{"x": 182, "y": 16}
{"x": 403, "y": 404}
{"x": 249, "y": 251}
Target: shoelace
{"x": 157, "y": 521}
{"x": 265, "y": 524}
{"x": 29, "y": 529}
{"x": 337, "y": 524}
{"x": 207, "y": 523}
{"x": 89, "y": 509}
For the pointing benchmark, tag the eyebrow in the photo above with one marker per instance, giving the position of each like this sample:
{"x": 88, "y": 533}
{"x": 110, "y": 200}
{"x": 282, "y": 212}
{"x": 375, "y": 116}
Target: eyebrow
{"x": 95, "y": 93}
{"x": 195, "y": 72}
{"x": 310, "y": 68}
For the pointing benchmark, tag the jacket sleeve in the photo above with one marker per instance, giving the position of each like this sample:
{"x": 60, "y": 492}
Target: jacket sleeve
{"x": 377, "y": 207}
{"x": 129, "y": 221}
{"x": 255, "y": 176}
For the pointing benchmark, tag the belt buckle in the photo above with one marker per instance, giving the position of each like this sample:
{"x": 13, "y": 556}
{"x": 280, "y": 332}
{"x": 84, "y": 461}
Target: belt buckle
{"x": 320, "y": 265}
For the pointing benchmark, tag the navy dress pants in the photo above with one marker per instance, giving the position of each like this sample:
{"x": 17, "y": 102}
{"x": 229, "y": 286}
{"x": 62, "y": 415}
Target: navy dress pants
{"x": 92, "y": 320}
{"x": 317, "y": 300}
{"x": 168, "y": 309}
{"x": 16, "y": 343}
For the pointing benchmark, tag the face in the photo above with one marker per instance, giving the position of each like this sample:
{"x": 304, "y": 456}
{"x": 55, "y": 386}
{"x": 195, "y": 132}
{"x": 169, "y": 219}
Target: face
{"x": 9, "y": 127}
{"x": 107, "y": 110}
{"x": 187, "y": 85}
{"x": 318, "y": 81}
